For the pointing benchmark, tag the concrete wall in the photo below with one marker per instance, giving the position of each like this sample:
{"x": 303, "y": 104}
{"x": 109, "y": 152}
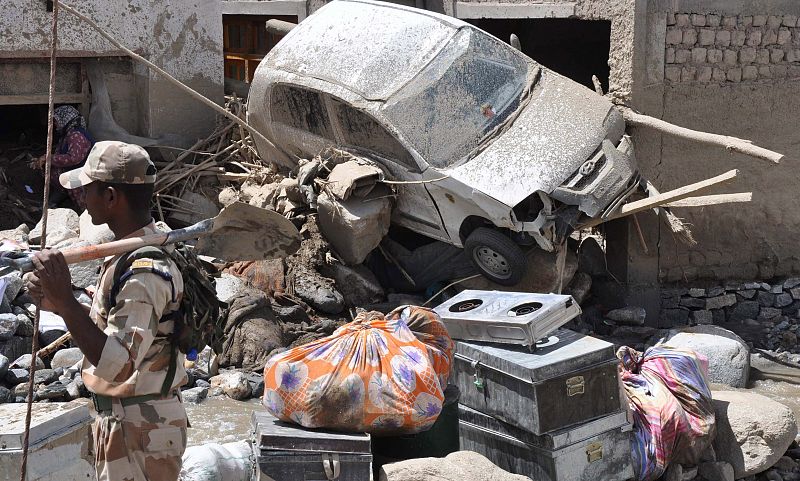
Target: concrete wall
{"x": 185, "y": 40}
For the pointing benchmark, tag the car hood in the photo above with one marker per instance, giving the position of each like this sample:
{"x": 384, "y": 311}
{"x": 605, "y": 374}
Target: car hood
{"x": 559, "y": 129}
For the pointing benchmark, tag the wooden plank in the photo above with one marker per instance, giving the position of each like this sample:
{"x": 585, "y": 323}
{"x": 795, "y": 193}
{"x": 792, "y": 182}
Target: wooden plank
{"x": 40, "y": 99}
{"x": 712, "y": 200}
{"x": 666, "y": 197}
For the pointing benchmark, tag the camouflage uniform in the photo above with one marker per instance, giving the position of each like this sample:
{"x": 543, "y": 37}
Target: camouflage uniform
{"x": 136, "y": 439}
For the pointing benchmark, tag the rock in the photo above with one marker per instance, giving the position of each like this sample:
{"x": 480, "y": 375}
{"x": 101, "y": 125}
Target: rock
{"x": 202, "y": 383}
{"x": 786, "y": 464}
{"x": 716, "y": 471}
{"x": 628, "y": 315}
{"x": 16, "y": 376}
{"x": 229, "y": 286}
{"x": 766, "y": 299}
{"x": 697, "y": 292}
{"x": 256, "y": 380}
{"x": 84, "y": 274}
{"x": 773, "y": 476}
{"x": 788, "y": 339}
{"x": 721, "y": 301}
{"x": 62, "y": 224}
{"x": 4, "y": 363}
{"x": 8, "y": 326}
{"x": 354, "y": 227}
{"x": 744, "y": 310}
{"x": 6, "y": 395}
{"x": 96, "y": 234}
{"x": 13, "y": 285}
{"x": 674, "y": 473}
{"x": 728, "y": 355}
{"x": 458, "y": 466}
{"x": 24, "y": 362}
{"x": 66, "y": 358}
{"x": 783, "y": 300}
{"x": 25, "y": 326}
{"x": 753, "y": 431}
{"x": 195, "y": 395}
{"x": 20, "y": 234}
{"x": 233, "y": 383}
{"x": 318, "y": 291}
{"x": 689, "y": 473}
{"x": 580, "y": 287}
{"x": 703, "y": 317}
{"x": 791, "y": 283}
{"x": 56, "y": 390}
{"x": 45, "y": 376}
{"x": 357, "y": 284}
{"x": 692, "y": 302}
{"x": 73, "y": 390}
{"x": 673, "y": 317}
{"x": 15, "y": 347}
{"x": 768, "y": 313}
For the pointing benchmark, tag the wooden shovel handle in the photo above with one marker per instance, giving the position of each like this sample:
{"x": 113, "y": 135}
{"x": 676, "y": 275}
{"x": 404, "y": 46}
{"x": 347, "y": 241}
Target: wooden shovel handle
{"x": 87, "y": 253}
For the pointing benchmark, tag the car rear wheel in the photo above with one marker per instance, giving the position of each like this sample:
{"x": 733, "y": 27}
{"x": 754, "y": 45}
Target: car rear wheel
{"x": 496, "y": 256}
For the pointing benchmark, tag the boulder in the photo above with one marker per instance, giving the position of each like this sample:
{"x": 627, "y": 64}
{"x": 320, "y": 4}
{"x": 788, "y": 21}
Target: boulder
{"x": 6, "y": 395}
{"x": 84, "y": 274}
{"x": 728, "y": 355}
{"x": 716, "y": 471}
{"x": 357, "y": 284}
{"x": 4, "y": 363}
{"x": 25, "y": 326}
{"x": 632, "y": 315}
{"x": 354, "y": 227}
{"x": 15, "y": 376}
{"x": 233, "y": 383}
{"x": 11, "y": 284}
{"x": 45, "y": 376}
{"x": 96, "y": 234}
{"x": 458, "y": 466}
{"x": 753, "y": 431}
{"x": 8, "y": 326}
{"x": 194, "y": 395}
{"x": 62, "y": 224}
{"x": 24, "y": 362}
{"x": 15, "y": 347}
{"x": 66, "y": 358}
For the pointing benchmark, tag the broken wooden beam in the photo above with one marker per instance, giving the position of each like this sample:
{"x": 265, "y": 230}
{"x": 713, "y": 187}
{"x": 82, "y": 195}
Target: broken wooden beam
{"x": 718, "y": 199}
{"x": 730, "y": 143}
{"x": 660, "y": 200}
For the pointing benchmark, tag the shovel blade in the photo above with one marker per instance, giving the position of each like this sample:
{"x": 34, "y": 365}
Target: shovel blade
{"x": 245, "y": 232}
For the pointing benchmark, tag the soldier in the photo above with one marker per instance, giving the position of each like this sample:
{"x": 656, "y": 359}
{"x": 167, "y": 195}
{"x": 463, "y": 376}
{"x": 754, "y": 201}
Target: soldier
{"x": 130, "y": 365}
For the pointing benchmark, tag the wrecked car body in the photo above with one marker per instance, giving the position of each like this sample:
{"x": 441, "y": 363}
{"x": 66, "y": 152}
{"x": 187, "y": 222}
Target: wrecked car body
{"x": 496, "y": 152}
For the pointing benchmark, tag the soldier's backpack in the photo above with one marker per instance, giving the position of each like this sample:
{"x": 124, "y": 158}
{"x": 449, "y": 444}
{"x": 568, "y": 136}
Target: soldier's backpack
{"x": 200, "y": 320}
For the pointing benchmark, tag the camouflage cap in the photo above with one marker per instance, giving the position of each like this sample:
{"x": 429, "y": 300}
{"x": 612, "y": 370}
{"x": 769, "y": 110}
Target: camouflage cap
{"x": 114, "y": 162}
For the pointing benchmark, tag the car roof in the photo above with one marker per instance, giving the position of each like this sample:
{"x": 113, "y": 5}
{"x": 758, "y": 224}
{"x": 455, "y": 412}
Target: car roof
{"x": 371, "y": 48}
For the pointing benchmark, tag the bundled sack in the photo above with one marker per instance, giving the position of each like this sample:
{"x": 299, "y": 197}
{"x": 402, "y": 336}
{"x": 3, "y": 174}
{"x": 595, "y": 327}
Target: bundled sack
{"x": 376, "y": 374}
{"x": 673, "y": 411}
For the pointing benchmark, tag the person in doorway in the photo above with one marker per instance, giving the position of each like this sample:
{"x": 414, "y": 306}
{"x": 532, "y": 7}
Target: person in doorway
{"x": 130, "y": 364}
{"x": 73, "y": 143}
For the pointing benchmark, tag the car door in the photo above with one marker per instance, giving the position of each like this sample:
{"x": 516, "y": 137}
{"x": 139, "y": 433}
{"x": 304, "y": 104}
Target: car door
{"x": 300, "y": 121}
{"x": 414, "y": 207}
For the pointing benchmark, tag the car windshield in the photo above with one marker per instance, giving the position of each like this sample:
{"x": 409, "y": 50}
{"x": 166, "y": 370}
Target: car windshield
{"x": 472, "y": 86}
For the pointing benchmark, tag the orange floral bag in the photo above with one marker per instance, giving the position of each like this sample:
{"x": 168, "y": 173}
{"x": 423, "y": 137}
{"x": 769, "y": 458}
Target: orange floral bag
{"x": 376, "y": 374}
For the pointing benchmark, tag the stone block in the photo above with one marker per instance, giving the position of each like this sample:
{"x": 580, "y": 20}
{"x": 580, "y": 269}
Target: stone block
{"x": 720, "y": 302}
{"x": 674, "y": 36}
{"x": 699, "y": 55}
{"x": 729, "y": 21}
{"x": 707, "y": 36}
{"x": 789, "y": 21}
{"x": 747, "y": 293}
{"x": 682, "y": 20}
{"x": 62, "y": 224}
{"x": 762, "y": 56}
{"x": 783, "y": 299}
{"x": 754, "y": 38}
{"x": 719, "y": 316}
{"x": 765, "y": 71}
{"x": 776, "y": 55}
{"x": 713, "y": 20}
{"x": 730, "y": 57}
{"x": 770, "y": 37}
{"x": 774, "y": 21}
{"x": 735, "y": 75}
{"x": 670, "y": 19}
{"x": 759, "y": 20}
{"x": 723, "y": 38}
{"x": 703, "y": 317}
{"x": 780, "y": 71}
{"x": 750, "y": 72}
{"x": 794, "y": 71}
{"x": 790, "y": 56}
{"x": 714, "y": 56}
{"x": 738, "y": 38}
{"x": 776, "y": 289}
{"x": 693, "y": 302}
{"x": 744, "y": 310}
{"x": 672, "y": 74}
{"x": 784, "y": 36}
{"x": 8, "y": 326}
{"x": 766, "y": 299}
{"x": 697, "y": 292}
{"x": 791, "y": 282}
{"x": 672, "y": 317}
{"x": 688, "y": 74}
{"x": 795, "y": 293}
{"x": 698, "y": 20}
{"x": 747, "y": 55}
{"x": 689, "y": 37}
{"x": 718, "y": 75}
{"x": 768, "y": 314}
{"x": 669, "y": 56}
{"x": 674, "y": 302}
{"x": 682, "y": 55}
{"x": 353, "y": 227}
{"x": 715, "y": 291}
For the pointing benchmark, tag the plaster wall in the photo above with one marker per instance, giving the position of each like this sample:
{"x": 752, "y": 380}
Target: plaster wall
{"x": 184, "y": 40}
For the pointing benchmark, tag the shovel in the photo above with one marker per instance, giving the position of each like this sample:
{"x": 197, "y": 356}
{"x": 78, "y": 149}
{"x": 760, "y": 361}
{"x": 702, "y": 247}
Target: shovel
{"x": 240, "y": 232}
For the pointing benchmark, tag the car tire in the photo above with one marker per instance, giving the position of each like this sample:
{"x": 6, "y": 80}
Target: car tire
{"x": 496, "y": 256}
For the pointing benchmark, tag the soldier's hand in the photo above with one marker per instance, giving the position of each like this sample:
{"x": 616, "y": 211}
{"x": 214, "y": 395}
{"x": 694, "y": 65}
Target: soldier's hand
{"x": 34, "y": 287}
{"x": 51, "y": 279}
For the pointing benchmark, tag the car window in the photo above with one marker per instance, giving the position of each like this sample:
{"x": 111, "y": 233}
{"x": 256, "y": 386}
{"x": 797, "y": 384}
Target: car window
{"x": 362, "y": 131}
{"x": 300, "y": 108}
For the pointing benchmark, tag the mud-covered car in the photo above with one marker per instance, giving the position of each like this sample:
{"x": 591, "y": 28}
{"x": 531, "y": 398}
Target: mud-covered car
{"x": 502, "y": 152}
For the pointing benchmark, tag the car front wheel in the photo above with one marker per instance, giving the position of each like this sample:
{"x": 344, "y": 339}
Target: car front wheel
{"x": 496, "y": 256}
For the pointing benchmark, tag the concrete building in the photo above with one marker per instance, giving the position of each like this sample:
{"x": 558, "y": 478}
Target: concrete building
{"x": 185, "y": 39}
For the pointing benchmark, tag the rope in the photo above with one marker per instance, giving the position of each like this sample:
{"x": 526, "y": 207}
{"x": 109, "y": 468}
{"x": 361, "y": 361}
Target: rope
{"x": 45, "y": 202}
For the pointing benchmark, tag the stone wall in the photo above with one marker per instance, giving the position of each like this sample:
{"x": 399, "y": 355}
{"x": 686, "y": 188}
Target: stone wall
{"x": 728, "y": 48}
